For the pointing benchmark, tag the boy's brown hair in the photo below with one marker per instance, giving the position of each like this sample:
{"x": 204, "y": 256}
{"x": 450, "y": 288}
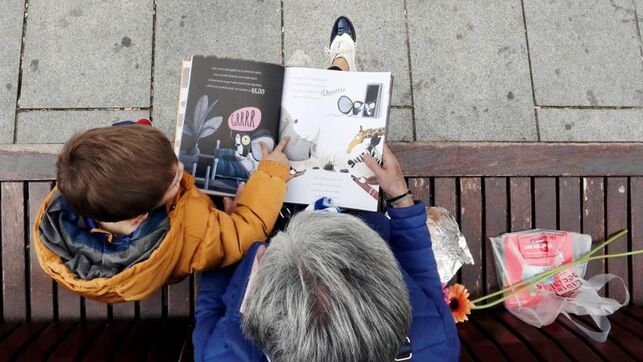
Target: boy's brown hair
{"x": 116, "y": 173}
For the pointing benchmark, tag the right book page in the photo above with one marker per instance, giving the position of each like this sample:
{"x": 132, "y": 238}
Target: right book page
{"x": 333, "y": 118}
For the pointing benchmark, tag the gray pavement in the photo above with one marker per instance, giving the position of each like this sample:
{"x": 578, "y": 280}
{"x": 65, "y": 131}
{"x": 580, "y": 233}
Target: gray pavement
{"x": 510, "y": 70}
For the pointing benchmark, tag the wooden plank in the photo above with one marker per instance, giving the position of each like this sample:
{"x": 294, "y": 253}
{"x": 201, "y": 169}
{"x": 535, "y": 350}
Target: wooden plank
{"x": 419, "y": 159}
{"x": 479, "y": 345}
{"x": 503, "y": 338}
{"x": 631, "y": 324}
{"x": 495, "y": 205}
{"x": 40, "y": 284}
{"x": 95, "y": 310}
{"x": 563, "y": 337}
{"x": 445, "y": 195}
{"x": 178, "y": 299}
{"x": 635, "y": 312}
{"x": 20, "y": 339}
{"x": 607, "y": 350}
{"x": 617, "y": 191}
{"x": 169, "y": 342}
{"x": 537, "y": 341}
{"x": 471, "y": 226}
{"x": 14, "y": 293}
{"x": 28, "y": 162}
{"x": 6, "y": 328}
{"x": 520, "y": 203}
{"x": 569, "y": 204}
{"x": 152, "y": 306}
{"x": 545, "y": 203}
{"x": 68, "y": 304}
{"x": 420, "y": 188}
{"x": 46, "y": 342}
{"x": 139, "y": 341}
{"x": 594, "y": 221}
{"x": 465, "y": 356}
{"x": 77, "y": 340}
{"x": 124, "y": 310}
{"x": 636, "y": 237}
{"x": 105, "y": 346}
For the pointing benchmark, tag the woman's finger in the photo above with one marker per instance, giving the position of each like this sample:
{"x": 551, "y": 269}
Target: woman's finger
{"x": 372, "y": 164}
{"x": 264, "y": 149}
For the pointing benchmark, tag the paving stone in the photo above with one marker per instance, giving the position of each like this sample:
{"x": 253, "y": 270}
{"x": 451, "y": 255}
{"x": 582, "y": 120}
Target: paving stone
{"x": 400, "y": 127}
{"x": 58, "y": 126}
{"x": 247, "y": 30}
{"x": 470, "y": 71}
{"x": 84, "y": 54}
{"x": 11, "y": 19}
{"x": 584, "y": 54}
{"x": 381, "y": 36}
{"x": 620, "y": 125}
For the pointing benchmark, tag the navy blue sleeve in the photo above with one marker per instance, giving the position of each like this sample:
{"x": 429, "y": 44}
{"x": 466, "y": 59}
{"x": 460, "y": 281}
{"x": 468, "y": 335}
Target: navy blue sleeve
{"x": 210, "y": 307}
{"x": 411, "y": 243}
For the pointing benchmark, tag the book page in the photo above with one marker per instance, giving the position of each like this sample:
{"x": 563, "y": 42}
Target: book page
{"x": 334, "y": 117}
{"x": 231, "y": 106}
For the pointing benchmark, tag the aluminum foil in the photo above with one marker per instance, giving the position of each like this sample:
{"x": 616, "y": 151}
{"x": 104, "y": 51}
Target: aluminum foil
{"x": 449, "y": 245}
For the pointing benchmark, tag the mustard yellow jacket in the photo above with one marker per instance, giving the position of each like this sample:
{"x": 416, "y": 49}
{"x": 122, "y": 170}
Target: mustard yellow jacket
{"x": 200, "y": 237}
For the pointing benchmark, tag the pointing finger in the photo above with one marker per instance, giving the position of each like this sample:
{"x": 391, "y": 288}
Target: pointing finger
{"x": 284, "y": 141}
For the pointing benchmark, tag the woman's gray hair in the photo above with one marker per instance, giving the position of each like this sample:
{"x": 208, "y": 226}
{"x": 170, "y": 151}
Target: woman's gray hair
{"x": 328, "y": 289}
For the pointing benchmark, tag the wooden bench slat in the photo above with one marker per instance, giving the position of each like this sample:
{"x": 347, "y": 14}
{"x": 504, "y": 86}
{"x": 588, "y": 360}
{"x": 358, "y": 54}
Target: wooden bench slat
{"x": 538, "y": 341}
{"x": 68, "y": 304}
{"x": 95, "y": 310}
{"x": 445, "y": 194}
{"x": 124, "y": 310}
{"x": 421, "y": 189}
{"x": 46, "y": 342}
{"x": 616, "y": 195}
{"x": 106, "y": 344}
{"x": 631, "y": 324}
{"x": 6, "y": 328}
{"x": 496, "y": 213}
{"x": 40, "y": 284}
{"x": 594, "y": 221}
{"x": 12, "y": 214}
{"x": 465, "y": 356}
{"x": 419, "y": 159}
{"x": 152, "y": 306}
{"x": 608, "y": 351}
{"x": 618, "y": 335}
{"x": 545, "y": 203}
{"x": 139, "y": 341}
{"x": 636, "y": 237}
{"x": 520, "y": 203}
{"x": 563, "y": 337}
{"x": 20, "y": 339}
{"x": 178, "y": 299}
{"x": 633, "y": 312}
{"x": 569, "y": 204}
{"x": 169, "y": 342}
{"x": 480, "y": 346}
{"x": 502, "y": 337}
{"x": 471, "y": 227}
{"x": 77, "y": 341}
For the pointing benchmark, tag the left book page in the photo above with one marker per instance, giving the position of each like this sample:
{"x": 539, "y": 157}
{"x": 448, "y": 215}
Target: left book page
{"x": 226, "y": 108}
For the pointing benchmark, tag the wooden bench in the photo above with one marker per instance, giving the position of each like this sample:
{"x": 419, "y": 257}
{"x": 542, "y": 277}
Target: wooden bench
{"x": 492, "y": 188}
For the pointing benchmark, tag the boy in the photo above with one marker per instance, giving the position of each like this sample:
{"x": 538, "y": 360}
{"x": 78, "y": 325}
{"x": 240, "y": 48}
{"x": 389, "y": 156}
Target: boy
{"x": 124, "y": 219}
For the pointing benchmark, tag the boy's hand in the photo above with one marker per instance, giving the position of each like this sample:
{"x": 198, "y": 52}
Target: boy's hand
{"x": 389, "y": 176}
{"x": 230, "y": 203}
{"x": 277, "y": 155}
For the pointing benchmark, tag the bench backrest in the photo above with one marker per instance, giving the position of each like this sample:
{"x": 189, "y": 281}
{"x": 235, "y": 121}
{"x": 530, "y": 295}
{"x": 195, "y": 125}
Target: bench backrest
{"x": 491, "y": 188}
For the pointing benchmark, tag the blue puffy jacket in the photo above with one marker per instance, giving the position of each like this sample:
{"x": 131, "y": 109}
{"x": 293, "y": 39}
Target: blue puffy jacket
{"x": 218, "y": 336}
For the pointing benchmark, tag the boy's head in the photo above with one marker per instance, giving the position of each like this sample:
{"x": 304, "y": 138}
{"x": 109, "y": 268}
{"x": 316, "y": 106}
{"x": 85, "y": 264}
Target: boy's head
{"x": 118, "y": 173}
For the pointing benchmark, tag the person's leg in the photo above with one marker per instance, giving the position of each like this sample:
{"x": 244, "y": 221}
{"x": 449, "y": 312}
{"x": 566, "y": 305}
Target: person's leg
{"x": 342, "y": 45}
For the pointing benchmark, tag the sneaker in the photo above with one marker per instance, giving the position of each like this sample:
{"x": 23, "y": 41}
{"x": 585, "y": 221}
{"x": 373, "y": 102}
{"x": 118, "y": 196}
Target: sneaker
{"x": 342, "y": 42}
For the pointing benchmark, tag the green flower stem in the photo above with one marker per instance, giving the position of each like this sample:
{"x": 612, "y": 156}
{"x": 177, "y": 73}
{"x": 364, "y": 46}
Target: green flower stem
{"x": 525, "y": 284}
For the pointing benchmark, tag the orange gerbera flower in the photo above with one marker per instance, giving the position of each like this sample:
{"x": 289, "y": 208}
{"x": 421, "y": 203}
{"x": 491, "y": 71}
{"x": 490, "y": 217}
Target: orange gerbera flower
{"x": 459, "y": 302}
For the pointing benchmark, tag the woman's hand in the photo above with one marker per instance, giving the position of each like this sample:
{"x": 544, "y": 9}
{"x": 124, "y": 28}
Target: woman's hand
{"x": 277, "y": 155}
{"x": 389, "y": 176}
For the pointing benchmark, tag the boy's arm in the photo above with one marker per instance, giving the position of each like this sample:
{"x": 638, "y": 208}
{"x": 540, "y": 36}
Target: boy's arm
{"x": 223, "y": 239}
{"x": 411, "y": 243}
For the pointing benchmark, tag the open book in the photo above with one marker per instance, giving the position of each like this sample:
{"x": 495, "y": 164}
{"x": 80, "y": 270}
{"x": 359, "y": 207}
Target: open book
{"x": 227, "y": 107}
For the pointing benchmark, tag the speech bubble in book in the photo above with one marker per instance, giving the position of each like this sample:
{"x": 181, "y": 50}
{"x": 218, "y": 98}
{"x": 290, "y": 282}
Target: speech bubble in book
{"x": 245, "y": 119}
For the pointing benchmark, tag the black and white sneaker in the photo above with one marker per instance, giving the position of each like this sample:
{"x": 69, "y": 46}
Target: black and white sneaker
{"x": 342, "y": 42}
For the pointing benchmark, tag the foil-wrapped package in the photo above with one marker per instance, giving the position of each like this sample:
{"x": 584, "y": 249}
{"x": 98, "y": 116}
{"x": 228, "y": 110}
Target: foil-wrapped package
{"x": 449, "y": 245}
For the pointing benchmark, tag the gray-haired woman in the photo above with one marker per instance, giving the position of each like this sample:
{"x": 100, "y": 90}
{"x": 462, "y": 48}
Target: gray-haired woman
{"x": 330, "y": 288}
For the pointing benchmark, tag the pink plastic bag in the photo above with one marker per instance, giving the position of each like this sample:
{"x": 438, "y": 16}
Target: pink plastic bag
{"x": 521, "y": 255}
